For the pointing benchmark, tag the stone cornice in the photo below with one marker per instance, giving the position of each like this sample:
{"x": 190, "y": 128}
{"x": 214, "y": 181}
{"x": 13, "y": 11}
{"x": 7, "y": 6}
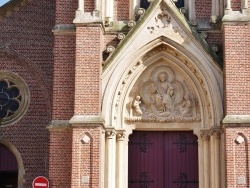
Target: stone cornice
{"x": 64, "y": 29}
{"x": 235, "y": 119}
{"x": 82, "y": 120}
{"x": 59, "y": 124}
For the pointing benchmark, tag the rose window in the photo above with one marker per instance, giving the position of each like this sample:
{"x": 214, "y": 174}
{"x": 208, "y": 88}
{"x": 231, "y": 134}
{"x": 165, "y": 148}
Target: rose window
{"x": 14, "y": 98}
{"x": 10, "y": 98}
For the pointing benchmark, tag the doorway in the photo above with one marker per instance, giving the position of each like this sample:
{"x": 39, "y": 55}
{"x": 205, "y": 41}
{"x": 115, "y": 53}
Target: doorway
{"x": 163, "y": 160}
{"x": 8, "y": 168}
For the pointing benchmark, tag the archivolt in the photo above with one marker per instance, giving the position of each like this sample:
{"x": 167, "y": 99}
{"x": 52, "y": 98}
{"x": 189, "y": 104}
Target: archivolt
{"x": 125, "y": 74}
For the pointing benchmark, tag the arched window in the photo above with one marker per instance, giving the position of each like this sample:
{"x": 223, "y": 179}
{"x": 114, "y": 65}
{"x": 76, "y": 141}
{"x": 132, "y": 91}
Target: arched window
{"x": 8, "y": 168}
{"x": 14, "y": 97}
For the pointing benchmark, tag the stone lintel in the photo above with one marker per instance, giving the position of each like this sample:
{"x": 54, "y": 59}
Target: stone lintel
{"x": 86, "y": 120}
{"x": 234, "y": 119}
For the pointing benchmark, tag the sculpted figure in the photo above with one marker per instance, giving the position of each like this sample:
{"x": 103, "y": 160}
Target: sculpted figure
{"x": 165, "y": 91}
{"x": 186, "y": 106}
{"x": 136, "y": 106}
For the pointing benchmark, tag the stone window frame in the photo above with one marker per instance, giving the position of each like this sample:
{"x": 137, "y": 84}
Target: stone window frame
{"x": 24, "y": 92}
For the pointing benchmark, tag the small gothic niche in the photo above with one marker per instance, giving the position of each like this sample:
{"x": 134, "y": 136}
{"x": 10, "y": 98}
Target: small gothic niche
{"x": 239, "y": 139}
{"x": 162, "y": 94}
{"x": 85, "y": 139}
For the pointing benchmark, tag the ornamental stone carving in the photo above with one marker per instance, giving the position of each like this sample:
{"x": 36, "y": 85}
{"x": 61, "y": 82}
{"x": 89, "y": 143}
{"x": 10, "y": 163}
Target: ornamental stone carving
{"x": 162, "y": 96}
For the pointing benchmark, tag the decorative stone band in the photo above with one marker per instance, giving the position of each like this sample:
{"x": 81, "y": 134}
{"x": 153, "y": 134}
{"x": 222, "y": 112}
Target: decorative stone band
{"x": 89, "y": 120}
{"x": 234, "y": 119}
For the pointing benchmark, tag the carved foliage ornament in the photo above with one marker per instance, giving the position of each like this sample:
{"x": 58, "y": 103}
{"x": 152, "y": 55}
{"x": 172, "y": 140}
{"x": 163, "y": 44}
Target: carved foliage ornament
{"x": 163, "y": 97}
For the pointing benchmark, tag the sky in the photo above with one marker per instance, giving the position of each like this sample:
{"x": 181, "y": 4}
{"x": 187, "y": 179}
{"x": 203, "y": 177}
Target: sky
{"x": 3, "y": 2}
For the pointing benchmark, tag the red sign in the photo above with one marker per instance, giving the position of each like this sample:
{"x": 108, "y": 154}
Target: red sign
{"x": 40, "y": 182}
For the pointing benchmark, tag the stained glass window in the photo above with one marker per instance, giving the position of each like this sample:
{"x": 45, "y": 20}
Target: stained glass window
{"x": 10, "y": 98}
{"x": 14, "y": 98}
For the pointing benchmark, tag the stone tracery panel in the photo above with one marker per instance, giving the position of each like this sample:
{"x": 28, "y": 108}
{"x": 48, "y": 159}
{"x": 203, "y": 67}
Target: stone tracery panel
{"x": 162, "y": 95}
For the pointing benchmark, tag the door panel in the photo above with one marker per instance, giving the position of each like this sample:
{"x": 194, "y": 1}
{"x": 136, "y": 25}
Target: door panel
{"x": 163, "y": 160}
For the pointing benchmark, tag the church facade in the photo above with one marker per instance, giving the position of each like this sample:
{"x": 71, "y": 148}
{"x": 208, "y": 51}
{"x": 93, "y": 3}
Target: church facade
{"x": 125, "y": 94}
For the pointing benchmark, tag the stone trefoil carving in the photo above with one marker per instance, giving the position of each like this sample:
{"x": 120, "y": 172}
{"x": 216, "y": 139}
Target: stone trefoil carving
{"x": 163, "y": 97}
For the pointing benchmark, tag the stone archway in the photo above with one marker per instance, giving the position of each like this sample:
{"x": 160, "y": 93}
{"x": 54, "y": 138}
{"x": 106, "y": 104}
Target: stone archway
{"x": 8, "y": 168}
{"x": 13, "y": 165}
{"x": 165, "y": 90}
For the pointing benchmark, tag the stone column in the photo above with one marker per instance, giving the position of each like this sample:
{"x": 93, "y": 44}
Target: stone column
{"x": 134, "y": 5}
{"x": 109, "y": 12}
{"x": 80, "y": 5}
{"x": 97, "y": 8}
{"x": 245, "y": 4}
{"x": 110, "y": 158}
{"x": 120, "y": 136}
{"x": 216, "y": 138}
{"x": 205, "y": 135}
{"x": 191, "y": 11}
{"x": 228, "y": 6}
{"x": 215, "y": 11}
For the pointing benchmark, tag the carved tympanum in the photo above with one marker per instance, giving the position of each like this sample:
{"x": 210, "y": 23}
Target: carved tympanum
{"x": 162, "y": 97}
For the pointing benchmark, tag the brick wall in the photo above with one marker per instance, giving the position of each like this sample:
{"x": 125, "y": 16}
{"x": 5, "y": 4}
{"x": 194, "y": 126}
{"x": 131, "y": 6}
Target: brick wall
{"x": 237, "y": 157}
{"x": 86, "y": 160}
{"x": 121, "y": 10}
{"x": 237, "y": 69}
{"x": 89, "y": 5}
{"x": 60, "y": 158}
{"x": 26, "y": 36}
{"x": 29, "y": 135}
{"x": 89, "y": 43}
{"x": 65, "y": 11}
{"x": 64, "y": 77}
{"x": 236, "y": 5}
{"x": 203, "y": 9}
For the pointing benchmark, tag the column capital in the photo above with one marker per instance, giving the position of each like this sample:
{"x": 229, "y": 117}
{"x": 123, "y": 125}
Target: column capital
{"x": 110, "y": 132}
{"x": 120, "y": 135}
{"x": 205, "y": 135}
{"x": 216, "y": 132}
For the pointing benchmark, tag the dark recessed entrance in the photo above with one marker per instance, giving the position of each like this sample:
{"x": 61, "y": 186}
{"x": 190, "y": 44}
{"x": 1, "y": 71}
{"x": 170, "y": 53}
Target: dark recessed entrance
{"x": 163, "y": 160}
{"x": 8, "y": 168}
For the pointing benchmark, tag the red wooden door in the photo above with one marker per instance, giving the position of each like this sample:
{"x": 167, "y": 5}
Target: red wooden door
{"x": 163, "y": 160}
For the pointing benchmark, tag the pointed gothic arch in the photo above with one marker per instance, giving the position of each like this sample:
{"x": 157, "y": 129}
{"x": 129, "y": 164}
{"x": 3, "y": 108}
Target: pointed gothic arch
{"x": 135, "y": 71}
{"x": 16, "y": 153}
